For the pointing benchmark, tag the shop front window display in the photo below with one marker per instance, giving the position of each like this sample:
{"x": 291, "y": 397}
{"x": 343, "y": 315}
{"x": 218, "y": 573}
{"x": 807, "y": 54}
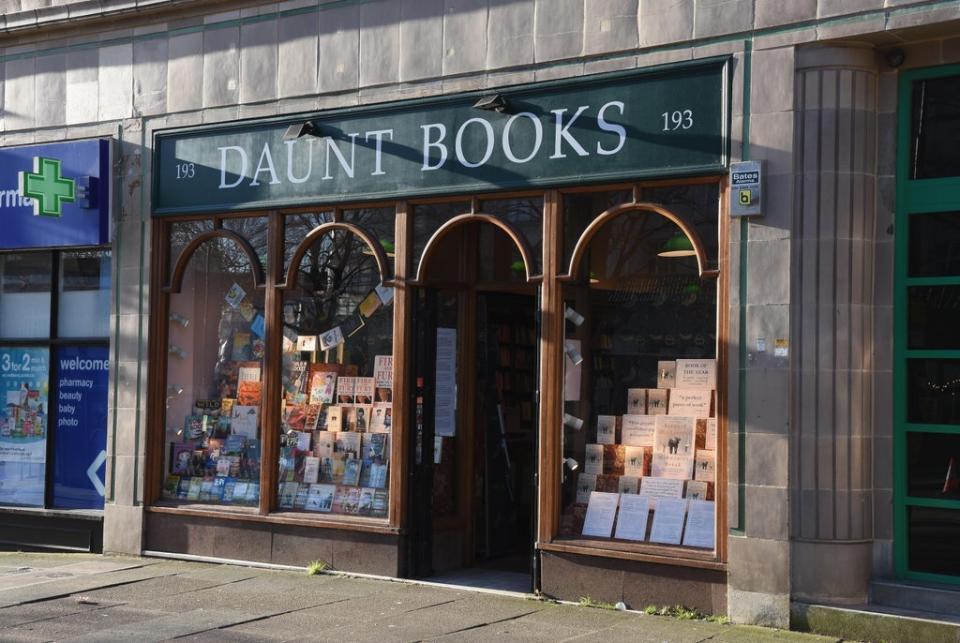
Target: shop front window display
{"x": 215, "y": 380}
{"x": 640, "y": 389}
{"x": 337, "y": 378}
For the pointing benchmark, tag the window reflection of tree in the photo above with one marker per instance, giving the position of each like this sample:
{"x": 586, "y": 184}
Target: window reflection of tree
{"x": 336, "y": 273}
{"x": 525, "y": 215}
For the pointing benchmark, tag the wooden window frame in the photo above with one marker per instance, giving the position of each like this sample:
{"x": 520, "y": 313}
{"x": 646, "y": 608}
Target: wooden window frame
{"x": 405, "y": 278}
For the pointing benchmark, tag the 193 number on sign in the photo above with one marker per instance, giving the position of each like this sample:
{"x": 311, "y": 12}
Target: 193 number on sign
{"x": 186, "y": 170}
{"x": 677, "y": 119}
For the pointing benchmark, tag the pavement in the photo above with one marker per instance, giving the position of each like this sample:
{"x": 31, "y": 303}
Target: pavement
{"x": 86, "y": 597}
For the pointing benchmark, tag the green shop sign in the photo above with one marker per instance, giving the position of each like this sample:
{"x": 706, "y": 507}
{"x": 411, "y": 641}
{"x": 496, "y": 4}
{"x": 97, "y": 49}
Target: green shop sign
{"x": 664, "y": 121}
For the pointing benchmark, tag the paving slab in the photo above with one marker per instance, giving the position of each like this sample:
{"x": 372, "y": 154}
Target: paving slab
{"x": 751, "y": 634}
{"x": 167, "y": 627}
{"x": 90, "y": 621}
{"x": 66, "y": 587}
{"x": 654, "y": 629}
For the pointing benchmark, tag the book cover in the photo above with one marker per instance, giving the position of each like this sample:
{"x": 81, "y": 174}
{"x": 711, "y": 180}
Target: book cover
{"x": 288, "y": 491}
{"x": 666, "y": 374}
{"x": 345, "y": 388}
{"x": 311, "y": 469}
{"x": 378, "y": 475}
{"x": 369, "y": 305}
{"x": 331, "y": 339}
{"x": 362, "y": 414}
{"x": 608, "y": 483}
{"x": 253, "y": 493}
{"x": 240, "y": 491}
{"x": 614, "y": 456}
{"x": 637, "y": 461}
{"x": 606, "y": 429}
{"x": 374, "y": 447}
{"x": 341, "y": 500}
{"x": 294, "y": 417}
{"x": 229, "y": 488}
{"x": 181, "y": 454}
{"x": 226, "y": 406}
{"x": 383, "y": 378}
{"x": 235, "y": 295}
{"x": 638, "y": 430}
{"x": 249, "y": 393}
{"x": 241, "y": 346}
{"x": 351, "y": 472}
{"x": 593, "y": 462}
{"x": 320, "y": 497}
{"x": 382, "y": 417}
{"x": 216, "y": 489}
{"x": 205, "y": 488}
{"x": 245, "y": 421}
{"x": 690, "y": 402}
{"x": 349, "y": 418}
{"x": 586, "y": 484}
{"x": 183, "y": 488}
{"x": 334, "y": 418}
{"x": 636, "y": 401}
{"x": 695, "y": 490}
{"x": 601, "y": 510}
{"x": 363, "y": 389}
{"x": 170, "y": 486}
{"x": 323, "y": 444}
{"x": 351, "y": 325}
{"x": 674, "y": 435}
{"x": 337, "y": 466}
{"x": 696, "y": 373}
{"x": 193, "y": 493}
{"x": 365, "y": 502}
{"x": 247, "y": 311}
{"x": 629, "y": 484}
{"x": 657, "y": 401}
{"x": 705, "y": 466}
{"x": 348, "y": 445}
{"x": 323, "y": 383}
{"x": 300, "y": 500}
{"x": 381, "y": 502}
{"x": 306, "y": 343}
{"x": 193, "y": 427}
{"x": 710, "y": 434}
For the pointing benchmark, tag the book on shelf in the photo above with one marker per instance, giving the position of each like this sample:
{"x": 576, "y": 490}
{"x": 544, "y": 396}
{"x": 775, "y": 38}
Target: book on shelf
{"x": 637, "y": 430}
{"x": 334, "y": 418}
{"x": 351, "y": 472}
{"x": 586, "y": 484}
{"x": 320, "y": 497}
{"x": 593, "y": 460}
{"x": 323, "y": 383}
{"x": 363, "y": 390}
{"x": 245, "y": 420}
{"x": 657, "y": 400}
{"x": 705, "y": 466}
{"x": 628, "y": 484}
{"x": 666, "y": 374}
{"x": 606, "y": 429}
{"x": 345, "y": 390}
{"x": 636, "y": 401}
{"x": 695, "y": 490}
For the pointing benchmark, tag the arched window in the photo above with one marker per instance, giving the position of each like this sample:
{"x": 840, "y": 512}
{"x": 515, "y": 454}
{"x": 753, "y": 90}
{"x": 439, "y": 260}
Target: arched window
{"x": 641, "y": 297}
{"x": 337, "y": 367}
{"x": 215, "y": 353}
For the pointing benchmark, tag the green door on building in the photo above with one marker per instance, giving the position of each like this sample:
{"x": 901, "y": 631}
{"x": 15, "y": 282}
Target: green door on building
{"x": 926, "y": 367}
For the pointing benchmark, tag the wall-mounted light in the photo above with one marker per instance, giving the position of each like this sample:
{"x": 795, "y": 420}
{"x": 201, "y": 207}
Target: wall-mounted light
{"x": 299, "y": 130}
{"x": 573, "y": 316}
{"x": 573, "y": 353}
{"x": 495, "y": 103}
{"x": 174, "y": 389}
{"x": 179, "y": 319}
{"x": 571, "y": 464}
{"x": 572, "y": 421}
{"x": 179, "y": 352}
{"x": 678, "y": 245}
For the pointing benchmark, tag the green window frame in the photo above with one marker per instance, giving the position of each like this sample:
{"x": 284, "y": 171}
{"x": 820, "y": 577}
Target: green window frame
{"x": 914, "y": 197}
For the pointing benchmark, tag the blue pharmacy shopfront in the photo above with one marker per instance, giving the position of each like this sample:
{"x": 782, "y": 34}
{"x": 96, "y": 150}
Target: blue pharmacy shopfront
{"x": 55, "y": 276}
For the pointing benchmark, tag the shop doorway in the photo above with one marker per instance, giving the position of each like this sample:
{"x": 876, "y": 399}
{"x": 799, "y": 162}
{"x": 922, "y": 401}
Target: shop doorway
{"x": 473, "y": 447}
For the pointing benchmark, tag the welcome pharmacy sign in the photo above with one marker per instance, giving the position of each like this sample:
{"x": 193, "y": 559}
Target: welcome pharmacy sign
{"x": 55, "y": 195}
{"x": 665, "y": 121}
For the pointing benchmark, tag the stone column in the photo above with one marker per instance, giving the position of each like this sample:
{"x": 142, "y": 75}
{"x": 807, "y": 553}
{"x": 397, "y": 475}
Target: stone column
{"x": 832, "y": 317}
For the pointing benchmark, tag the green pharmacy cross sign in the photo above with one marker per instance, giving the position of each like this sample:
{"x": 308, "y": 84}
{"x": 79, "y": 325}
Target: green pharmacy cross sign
{"x": 48, "y": 189}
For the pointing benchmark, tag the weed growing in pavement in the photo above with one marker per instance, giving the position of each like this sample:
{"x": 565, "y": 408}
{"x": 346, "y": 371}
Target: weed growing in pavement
{"x": 317, "y": 566}
{"x": 586, "y": 601}
{"x": 685, "y": 614}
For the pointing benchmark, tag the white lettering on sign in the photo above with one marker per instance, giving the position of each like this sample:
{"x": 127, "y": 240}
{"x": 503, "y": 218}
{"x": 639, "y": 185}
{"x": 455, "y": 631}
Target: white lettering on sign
{"x": 475, "y": 141}
{"x": 537, "y": 137}
{"x": 428, "y": 145}
{"x": 13, "y": 199}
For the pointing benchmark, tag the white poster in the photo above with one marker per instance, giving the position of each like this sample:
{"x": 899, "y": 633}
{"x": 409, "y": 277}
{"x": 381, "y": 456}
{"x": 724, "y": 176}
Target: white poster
{"x": 601, "y": 511}
{"x": 668, "y": 521}
{"x": 700, "y": 524}
{"x": 632, "y": 521}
